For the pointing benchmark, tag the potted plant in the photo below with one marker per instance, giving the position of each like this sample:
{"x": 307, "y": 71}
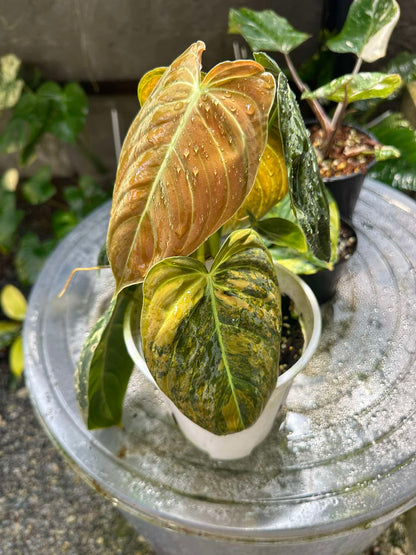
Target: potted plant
{"x": 344, "y": 153}
{"x": 209, "y": 314}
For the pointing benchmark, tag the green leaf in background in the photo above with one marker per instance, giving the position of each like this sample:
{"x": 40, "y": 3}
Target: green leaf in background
{"x": 63, "y": 221}
{"x": 212, "y": 339}
{"x": 10, "y": 86}
{"x": 16, "y": 358}
{"x": 307, "y": 191}
{"x": 104, "y": 369}
{"x": 38, "y": 189}
{"x": 359, "y": 86}
{"x": 395, "y": 130}
{"x": 282, "y": 232}
{"x": 13, "y": 303}
{"x": 8, "y": 333}
{"x": 85, "y": 197}
{"x": 50, "y": 109}
{"x": 386, "y": 152}
{"x": 10, "y": 218}
{"x": 305, "y": 262}
{"x": 367, "y": 29}
{"x": 404, "y": 64}
{"x": 265, "y": 30}
{"x": 31, "y": 256}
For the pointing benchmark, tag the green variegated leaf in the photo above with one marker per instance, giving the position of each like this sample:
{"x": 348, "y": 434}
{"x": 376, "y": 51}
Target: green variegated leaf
{"x": 367, "y": 29}
{"x": 307, "y": 191}
{"x": 188, "y": 162}
{"x": 359, "y": 86}
{"x": 265, "y": 30}
{"x": 386, "y": 152}
{"x": 104, "y": 369}
{"x": 300, "y": 262}
{"x": 211, "y": 339}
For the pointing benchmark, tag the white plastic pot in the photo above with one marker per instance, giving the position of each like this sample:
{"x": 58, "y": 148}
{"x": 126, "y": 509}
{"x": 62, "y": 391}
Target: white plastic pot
{"x": 240, "y": 444}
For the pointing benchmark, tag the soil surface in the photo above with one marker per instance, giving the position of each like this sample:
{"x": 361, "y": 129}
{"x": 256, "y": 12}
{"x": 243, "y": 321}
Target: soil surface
{"x": 291, "y": 343}
{"x": 350, "y": 153}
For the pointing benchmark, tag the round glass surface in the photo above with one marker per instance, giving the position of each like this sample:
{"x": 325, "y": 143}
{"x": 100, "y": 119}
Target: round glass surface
{"x": 341, "y": 454}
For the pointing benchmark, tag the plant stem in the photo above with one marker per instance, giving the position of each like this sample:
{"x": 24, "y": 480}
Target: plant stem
{"x": 336, "y": 123}
{"x": 316, "y": 108}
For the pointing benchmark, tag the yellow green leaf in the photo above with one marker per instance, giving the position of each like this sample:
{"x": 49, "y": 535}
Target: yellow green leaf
{"x": 13, "y": 303}
{"x": 16, "y": 359}
{"x": 148, "y": 82}
{"x": 269, "y": 187}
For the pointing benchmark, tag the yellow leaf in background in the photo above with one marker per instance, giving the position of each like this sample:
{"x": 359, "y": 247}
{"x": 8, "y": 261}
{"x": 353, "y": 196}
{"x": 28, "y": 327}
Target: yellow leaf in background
{"x": 16, "y": 359}
{"x": 148, "y": 82}
{"x": 269, "y": 187}
{"x": 13, "y": 303}
{"x": 10, "y": 179}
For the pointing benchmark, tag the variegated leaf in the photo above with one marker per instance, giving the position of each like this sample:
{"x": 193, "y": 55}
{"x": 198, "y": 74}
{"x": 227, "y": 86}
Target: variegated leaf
{"x": 188, "y": 162}
{"x": 269, "y": 187}
{"x": 212, "y": 338}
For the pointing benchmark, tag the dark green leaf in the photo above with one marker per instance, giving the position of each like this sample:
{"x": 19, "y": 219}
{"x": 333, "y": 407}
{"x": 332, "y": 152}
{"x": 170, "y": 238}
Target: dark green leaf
{"x": 31, "y": 256}
{"x": 404, "y": 64}
{"x": 282, "y": 232}
{"x": 305, "y": 262}
{"x": 367, "y": 29}
{"x": 75, "y": 199}
{"x": 104, "y": 369}
{"x": 212, "y": 339}
{"x": 69, "y": 115}
{"x": 63, "y": 221}
{"x": 102, "y": 259}
{"x": 8, "y": 332}
{"x": 360, "y": 86}
{"x": 39, "y": 189}
{"x": 9, "y": 219}
{"x": 307, "y": 191}
{"x": 265, "y": 30}
{"x": 14, "y": 136}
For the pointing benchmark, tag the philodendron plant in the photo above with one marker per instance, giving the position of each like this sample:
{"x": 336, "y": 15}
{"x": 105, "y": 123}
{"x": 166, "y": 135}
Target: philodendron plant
{"x": 365, "y": 34}
{"x": 206, "y": 156}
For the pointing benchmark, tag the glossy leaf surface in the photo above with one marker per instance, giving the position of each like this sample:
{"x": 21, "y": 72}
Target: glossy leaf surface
{"x": 148, "y": 82}
{"x": 265, "y": 30}
{"x": 307, "y": 191}
{"x": 188, "y": 162}
{"x": 104, "y": 369}
{"x": 269, "y": 187}
{"x": 304, "y": 262}
{"x": 395, "y": 130}
{"x": 367, "y": 29}
{"x": 361, "y": 86}
{"x": 212, "y": 339}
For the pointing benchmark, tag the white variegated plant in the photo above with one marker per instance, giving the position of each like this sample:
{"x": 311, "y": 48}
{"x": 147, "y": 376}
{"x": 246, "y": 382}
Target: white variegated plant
{"x": 206, "y": 152}
{"x": 365, "y": 34}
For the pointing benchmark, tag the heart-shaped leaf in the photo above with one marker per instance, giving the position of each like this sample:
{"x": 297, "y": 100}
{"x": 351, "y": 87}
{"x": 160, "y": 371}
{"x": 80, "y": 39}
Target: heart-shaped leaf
{"x": 265, "y": 30}
{"x": 104, "y": 369}
{"x": 269, "y": 187}
{"x": 367, "y": 29}
{"x": 359, "y": 86}
{"x": 307, "y": 191}
{"x": 211, "y": 339}
{"x": 188, "y": 162}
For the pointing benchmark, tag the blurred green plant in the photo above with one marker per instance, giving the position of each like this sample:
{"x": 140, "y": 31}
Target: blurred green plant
{"x": 13, "y": 304}
{"x": 37, "y": 109}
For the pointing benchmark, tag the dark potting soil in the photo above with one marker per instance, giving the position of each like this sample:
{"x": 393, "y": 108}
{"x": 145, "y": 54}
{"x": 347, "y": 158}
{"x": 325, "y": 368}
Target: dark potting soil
{"x": 292, "y": 340}
{"x": 350, "y": 153}
{"x": 347, "y": 242}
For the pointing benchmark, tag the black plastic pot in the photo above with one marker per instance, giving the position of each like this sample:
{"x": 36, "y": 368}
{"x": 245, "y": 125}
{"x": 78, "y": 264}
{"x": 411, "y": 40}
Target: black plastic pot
{"x": 346, "y": 190}
{"x": 324, "y": 282}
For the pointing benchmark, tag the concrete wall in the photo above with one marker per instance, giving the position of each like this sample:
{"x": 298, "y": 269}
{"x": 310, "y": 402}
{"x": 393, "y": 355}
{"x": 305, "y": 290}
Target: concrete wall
{"x": 98, "y": 40}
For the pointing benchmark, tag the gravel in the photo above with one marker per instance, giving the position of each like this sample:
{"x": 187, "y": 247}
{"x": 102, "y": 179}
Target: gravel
{"x": 46, "y": 509}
